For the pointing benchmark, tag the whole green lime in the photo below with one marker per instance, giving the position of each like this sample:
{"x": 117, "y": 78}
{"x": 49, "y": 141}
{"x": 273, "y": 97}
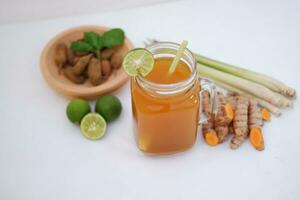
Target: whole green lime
{"x": 77, "y": 109}
{"x": 108, "y": 107}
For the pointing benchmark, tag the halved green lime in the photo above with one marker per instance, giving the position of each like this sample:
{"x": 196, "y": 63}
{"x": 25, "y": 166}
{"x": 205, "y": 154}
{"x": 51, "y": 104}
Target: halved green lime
{"x": 138, "y": 61}
{"x": 93, "y": 126}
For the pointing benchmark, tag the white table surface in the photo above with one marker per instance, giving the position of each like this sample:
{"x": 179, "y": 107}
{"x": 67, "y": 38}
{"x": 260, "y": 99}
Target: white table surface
{"x": 16, "y": 11}
{"x": 43, "y": 156}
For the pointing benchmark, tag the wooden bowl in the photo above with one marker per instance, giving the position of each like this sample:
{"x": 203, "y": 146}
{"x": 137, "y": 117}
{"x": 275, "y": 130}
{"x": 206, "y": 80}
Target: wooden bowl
{"x": 63, "y": 85}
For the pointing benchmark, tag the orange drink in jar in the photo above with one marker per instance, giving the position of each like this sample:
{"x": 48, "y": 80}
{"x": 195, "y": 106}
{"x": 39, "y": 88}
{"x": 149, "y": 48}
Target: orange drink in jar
{"x": 166, "y": 106}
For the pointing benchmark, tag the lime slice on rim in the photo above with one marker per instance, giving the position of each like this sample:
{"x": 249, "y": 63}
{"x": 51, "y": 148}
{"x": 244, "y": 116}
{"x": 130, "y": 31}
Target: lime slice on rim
{"x": 138, "y": 61}
{"x": 93, "y": 126}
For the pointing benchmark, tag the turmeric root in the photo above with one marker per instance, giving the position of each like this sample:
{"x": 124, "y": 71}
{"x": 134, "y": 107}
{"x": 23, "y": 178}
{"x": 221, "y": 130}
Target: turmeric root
{"x": 229, "y": 113}
{"x": 206, "y": 103}
{"x": 208, "y": 131}
{"x": 255, "y": 119}
{"x": 61, "y": 54}
{"x": 265, "y": 114}
{"x": 255, "y": 124}
{"x": 224, "y": 109}
{"x": 231, "y": 99}
{"x": 94, "y": 71}
{"x": 81, "y": 64}
{"x": 240, "y": 122}
{"x": 223, "y": 117}
{"x": 230, "y": 128}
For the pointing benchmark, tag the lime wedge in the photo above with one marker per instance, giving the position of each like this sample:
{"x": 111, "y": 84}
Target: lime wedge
{"x": 138, "y": 61}
{"x": 93, "y": 126}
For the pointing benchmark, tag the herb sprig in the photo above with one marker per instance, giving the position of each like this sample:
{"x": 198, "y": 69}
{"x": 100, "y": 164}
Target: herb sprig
{"x": 93, "y": 42}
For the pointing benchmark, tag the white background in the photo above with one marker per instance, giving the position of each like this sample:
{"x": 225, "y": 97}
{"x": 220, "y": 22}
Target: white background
{"x": 43, "y": 156}
{"x": 12, "y": 11}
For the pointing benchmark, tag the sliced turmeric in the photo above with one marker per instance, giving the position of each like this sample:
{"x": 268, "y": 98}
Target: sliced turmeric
{"x": 208, "y": 131}
{"x": 211, "y": 138}
{"x": 240, "y": 122}
{"x": 265, "y": 114}
{"x": 256, "y": 139}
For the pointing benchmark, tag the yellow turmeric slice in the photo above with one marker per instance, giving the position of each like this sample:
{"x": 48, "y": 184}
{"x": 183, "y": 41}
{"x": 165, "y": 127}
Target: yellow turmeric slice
{"x": 209, "y": 133}
{"x": 211, "y": 138}
{"x": 256, "y": 139}
{"x": 265, "y": 114}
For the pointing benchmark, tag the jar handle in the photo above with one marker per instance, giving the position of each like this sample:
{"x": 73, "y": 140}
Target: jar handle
{"x": 206, "y": 85}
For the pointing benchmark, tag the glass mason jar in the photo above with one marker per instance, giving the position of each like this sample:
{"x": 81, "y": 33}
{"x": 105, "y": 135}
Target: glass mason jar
{"x": 166, "y": 116}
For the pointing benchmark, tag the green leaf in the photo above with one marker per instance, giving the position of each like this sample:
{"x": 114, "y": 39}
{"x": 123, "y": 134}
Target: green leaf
{"x": 93, "y": 39}
{"x": 81, "y": 46}
{"x": 113, "y": 37}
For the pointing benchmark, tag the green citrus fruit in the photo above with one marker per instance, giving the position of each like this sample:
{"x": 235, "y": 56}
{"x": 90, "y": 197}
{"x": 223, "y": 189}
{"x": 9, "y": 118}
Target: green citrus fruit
{"x": 93, "y": 126}
{"x": 77, "y": 109}
{"x": 108, "y": 107}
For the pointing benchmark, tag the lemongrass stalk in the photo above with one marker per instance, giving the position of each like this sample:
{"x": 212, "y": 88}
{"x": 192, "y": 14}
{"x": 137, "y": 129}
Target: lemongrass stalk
{"x": 250, "y": 87}
{"x": 262, "y": 79}
{"x": 288, "y": 103}
{"x": 273, "y": 109}
{"x": 178, "y": 56}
